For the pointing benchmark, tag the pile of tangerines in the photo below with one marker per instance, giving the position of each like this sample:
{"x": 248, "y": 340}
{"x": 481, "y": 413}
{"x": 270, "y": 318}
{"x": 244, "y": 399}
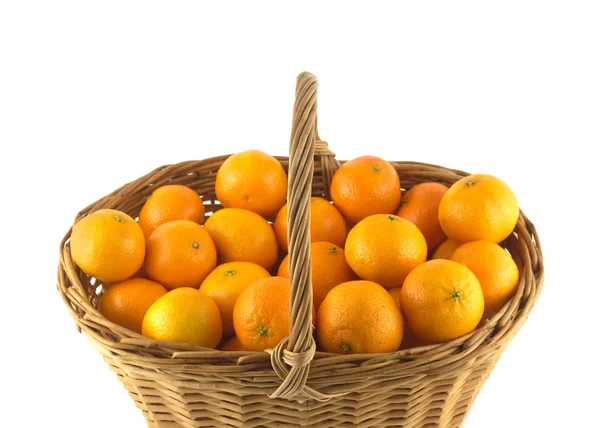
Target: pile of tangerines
{"x": 389, "y": 270}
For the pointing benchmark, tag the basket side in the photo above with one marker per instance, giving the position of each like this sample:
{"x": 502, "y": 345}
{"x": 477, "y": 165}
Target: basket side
{"x": 441, "y": 401}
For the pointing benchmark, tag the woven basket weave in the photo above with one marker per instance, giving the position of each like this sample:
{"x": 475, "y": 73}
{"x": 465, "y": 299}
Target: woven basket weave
{"x": 179, "y": 385}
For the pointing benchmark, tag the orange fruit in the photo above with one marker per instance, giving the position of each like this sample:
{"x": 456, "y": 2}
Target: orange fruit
{"x": 409, "y": 340}
{"x": 359, "y": 317}
{"x": 126, "y": 303}
{"x": 395, "y": 293}
{"x": 225, "y": 284}
{"x": 365, "y": 186}
{"x": 445, "y": 250}
{"x": 252, "y": 180}
{"x": 243, "y": 236}
{"x": 479, "y": 207}
{"x": 261, "y": 316}
{"x": 495, "y": 269}
{"x": 420, "y": 206}
{"x": 329, "y": 268}
{"x": 441, "y": 301}
{"x": 108, "y": 245}
{"x": 180, "y": 253}
{"x": 326, "y": 224}
{"x": 168, "y": 203}
{"x": 384, "y": 248}
{"x": 233, "y": 344}
{"x": 184, "y": 315}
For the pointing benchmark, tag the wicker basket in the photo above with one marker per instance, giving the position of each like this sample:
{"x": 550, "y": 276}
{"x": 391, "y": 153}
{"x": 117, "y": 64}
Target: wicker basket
{"x": 179, "y": 385}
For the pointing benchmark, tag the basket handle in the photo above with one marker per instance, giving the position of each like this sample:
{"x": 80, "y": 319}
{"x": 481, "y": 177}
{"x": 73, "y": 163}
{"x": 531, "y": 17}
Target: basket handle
{"x": 291, "y": 358}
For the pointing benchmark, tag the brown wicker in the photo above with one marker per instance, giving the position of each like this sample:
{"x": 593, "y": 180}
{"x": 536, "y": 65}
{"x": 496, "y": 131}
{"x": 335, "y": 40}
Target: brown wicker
{"x": 179, "y": 385}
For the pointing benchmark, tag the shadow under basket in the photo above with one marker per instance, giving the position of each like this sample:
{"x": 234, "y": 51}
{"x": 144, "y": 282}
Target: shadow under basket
{"x": 179, "y": 385}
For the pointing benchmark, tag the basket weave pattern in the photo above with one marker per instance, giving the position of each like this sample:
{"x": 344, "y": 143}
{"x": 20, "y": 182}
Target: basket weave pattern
{"x": 179, "y": 385}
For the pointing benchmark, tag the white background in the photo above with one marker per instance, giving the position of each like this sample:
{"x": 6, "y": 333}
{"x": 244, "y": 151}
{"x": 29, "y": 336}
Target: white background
{"x": 94, "y": 94}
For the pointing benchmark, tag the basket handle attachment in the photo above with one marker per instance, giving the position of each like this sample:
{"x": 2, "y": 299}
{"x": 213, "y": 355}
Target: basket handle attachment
{"x": 292, "y": 356}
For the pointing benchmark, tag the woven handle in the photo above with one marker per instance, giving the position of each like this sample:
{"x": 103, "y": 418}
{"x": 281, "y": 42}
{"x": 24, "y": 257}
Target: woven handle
{"x": 292, "y": 357}
{"x": 301, "y": 169}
